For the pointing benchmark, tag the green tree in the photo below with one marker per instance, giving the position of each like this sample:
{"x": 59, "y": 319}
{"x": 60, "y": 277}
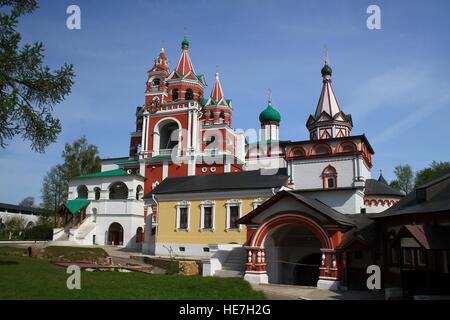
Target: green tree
{"x": 28, "y": 88}
{"x": 426, "y": 174}
{"x": 28, "y": 202}
{"x": 405, "y": 179}
{"x": 54, "y": 188}
{"x": 80, "y": 158}
{"x": 15, "y": 225}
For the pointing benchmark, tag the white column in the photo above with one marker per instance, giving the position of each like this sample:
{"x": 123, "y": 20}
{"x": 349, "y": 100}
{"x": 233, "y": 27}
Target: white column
{"x": 144, "y": 135}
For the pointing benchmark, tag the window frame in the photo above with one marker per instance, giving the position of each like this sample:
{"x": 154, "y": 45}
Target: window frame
{"x": 203, "y": 205}
{"x": 180, "y": 206}
{"x": 229, "y": 204}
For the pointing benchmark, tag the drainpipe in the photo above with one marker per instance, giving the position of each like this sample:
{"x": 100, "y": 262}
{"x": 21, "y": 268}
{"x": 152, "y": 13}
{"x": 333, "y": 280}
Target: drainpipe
{"x": 157, "y": 212}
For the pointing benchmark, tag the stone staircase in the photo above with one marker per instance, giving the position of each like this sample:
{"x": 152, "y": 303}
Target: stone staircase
{"x": 234, "y": 265}
{"x": 84, "y": 230}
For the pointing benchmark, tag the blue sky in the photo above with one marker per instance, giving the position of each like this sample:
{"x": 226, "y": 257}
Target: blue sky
{"x": 393, "y": 81}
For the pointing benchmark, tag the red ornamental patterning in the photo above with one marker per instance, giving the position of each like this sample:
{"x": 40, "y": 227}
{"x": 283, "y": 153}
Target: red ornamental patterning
{"x": 311, "y": 225}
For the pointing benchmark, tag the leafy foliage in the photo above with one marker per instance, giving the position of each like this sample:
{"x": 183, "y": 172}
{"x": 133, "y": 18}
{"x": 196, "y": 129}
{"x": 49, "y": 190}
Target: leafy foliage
{"x": 80, "y": 158}
{"x": 15, "y": 225}
{"x": 28, "y": 89}
{"x": 28, "y": 202}
{"x": 54, "y": 188}
{"x": 405, "y": 179}
{"x": 422, "y": 176}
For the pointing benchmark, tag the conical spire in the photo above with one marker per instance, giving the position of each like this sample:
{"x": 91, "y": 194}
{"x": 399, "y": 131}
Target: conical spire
{"x": 329, "y": 121}
{"x": 327, "y": 101}
{"x": 217, "y": 93}
{"x": 382, "y": 179}
{"x": 161, "y": 61}
{"x": 184, "y": 64}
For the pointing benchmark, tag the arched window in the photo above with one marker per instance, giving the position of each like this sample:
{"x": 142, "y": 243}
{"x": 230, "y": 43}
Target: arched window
{"x": 139, "y": 193}
{"x": 329, "y": 176}
{"x": 210, "y": 140}
{"x": 211, "y": 117}
{"x": 82, "y": 192}
{"x": 174, "y": 94}
{"x": 222, "y": 117}
{"x": 297, "y": 152}
{"x": 156, "y": 82}
{"x": 168, "y": 135}
{"x": 189, "y": 95}
{"x": 97, "y": 193}
{"x": 139, "y": 235}
{"x": 118, "y": 191}
{"x": 321, "y": 149}
{"x": 346, "y": 147}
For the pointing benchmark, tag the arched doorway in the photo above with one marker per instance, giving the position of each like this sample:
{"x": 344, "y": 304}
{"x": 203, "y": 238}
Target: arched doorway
{"x": 139, "y": 235}
{"x": 293, "y": 255}
{"x": 115, "y": 234}
{"x": 307, "y": 271}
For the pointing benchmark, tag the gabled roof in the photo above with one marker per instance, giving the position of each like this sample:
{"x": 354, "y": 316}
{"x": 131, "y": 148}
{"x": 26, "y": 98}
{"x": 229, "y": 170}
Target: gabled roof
{"x": 365, "y": 233}
{"x": 246, "y": 180}
{"x": 428, "y": 236}
{"x": 74, "y": 206}
{"x": 431, "y": 197}
{"x": 375, "y": 187}
{"x": 313, "y": 203}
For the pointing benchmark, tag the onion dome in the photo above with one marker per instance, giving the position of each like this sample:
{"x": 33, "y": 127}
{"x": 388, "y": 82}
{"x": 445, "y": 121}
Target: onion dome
{"x": 270, "y": 114}
{"x": 326, "y": 70}
{"x": 185, "y": 43}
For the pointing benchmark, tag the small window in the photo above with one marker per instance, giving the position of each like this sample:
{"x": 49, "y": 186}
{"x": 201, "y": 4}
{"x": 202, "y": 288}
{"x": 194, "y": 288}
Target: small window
{"x": 182, "y": 249}
{"x": 421, "y": 257}
{"x": 82, "y": 192}
{"x": 407, "y": 257}
{"x": 206, "y": 249}
{"x": 208, "y": 216}
{"x": 189, "y": 94}
{"x": 234, "y": 216}
{"x": 183, "y": 218}
{"x": 331, "y": 183}
{"x": 174, "y": 94}
{"x": 156, "y": 82}
{"x": 97, "y": 193}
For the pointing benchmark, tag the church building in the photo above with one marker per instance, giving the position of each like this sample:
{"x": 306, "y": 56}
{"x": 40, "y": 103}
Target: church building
{"x": 271, "y": 211}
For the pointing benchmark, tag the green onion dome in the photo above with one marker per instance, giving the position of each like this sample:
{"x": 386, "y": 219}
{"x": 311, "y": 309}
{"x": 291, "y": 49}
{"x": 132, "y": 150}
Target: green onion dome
{"x": 185, "y": 43}
{"x": 269, "y": 115}
{"x": 326, "y": 70}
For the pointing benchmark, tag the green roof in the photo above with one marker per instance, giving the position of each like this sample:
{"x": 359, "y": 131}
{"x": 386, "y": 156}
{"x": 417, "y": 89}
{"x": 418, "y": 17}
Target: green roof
{"x": 74, "y": 206}
{"x": 110, "y": 173}
{"x": 270, "y": 115}
{"x": 162, "y": 157}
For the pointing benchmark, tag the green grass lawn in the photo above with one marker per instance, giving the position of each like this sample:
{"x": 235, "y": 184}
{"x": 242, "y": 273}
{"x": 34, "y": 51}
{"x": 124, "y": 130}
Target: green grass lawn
{"x": 32, "y": 278}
